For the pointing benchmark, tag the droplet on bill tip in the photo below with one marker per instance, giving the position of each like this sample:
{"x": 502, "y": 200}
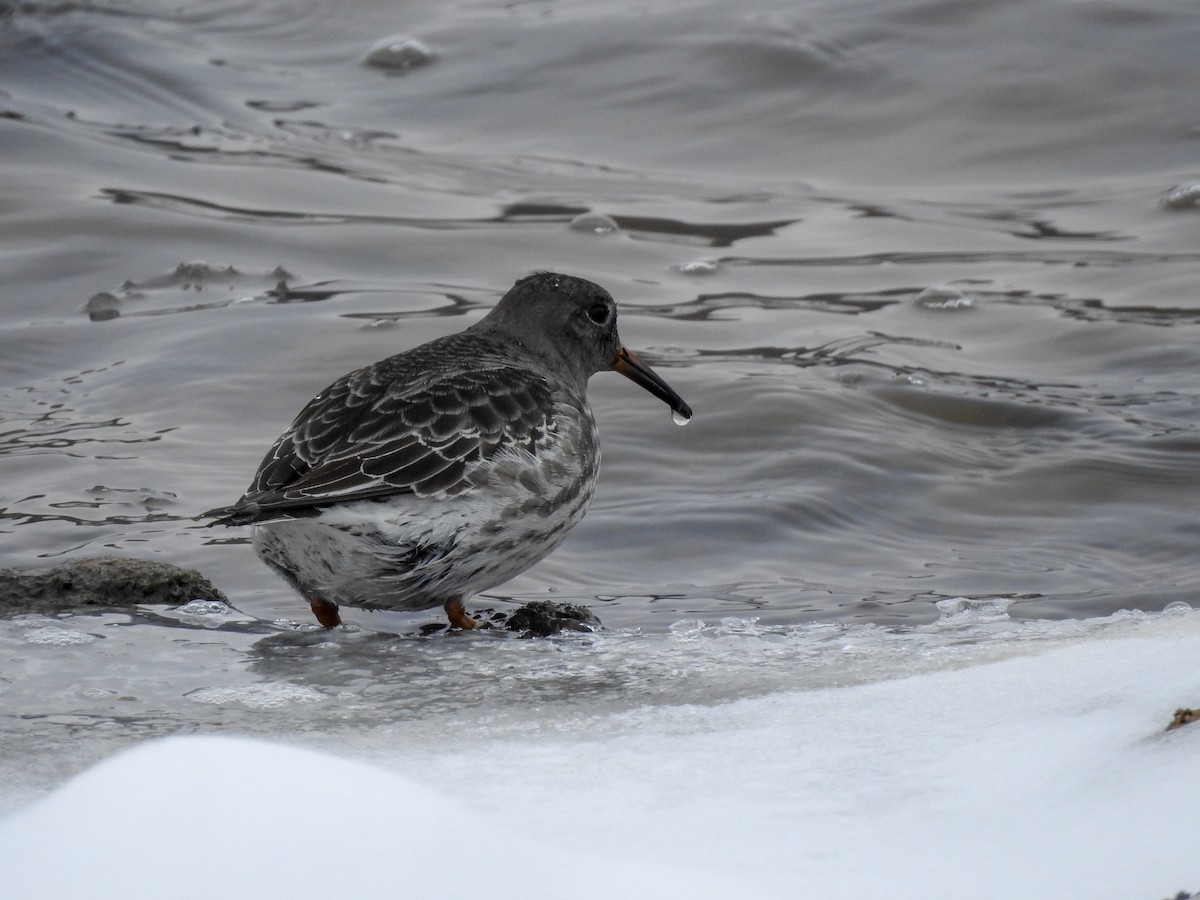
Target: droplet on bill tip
{"x": 679, "y": 418}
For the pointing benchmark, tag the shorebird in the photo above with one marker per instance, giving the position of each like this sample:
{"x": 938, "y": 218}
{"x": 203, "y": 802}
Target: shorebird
{"x": 449, "y": 468}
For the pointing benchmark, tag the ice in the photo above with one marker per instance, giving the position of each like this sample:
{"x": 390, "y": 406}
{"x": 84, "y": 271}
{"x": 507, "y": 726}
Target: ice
{"x": 257, "y": 696}
{"x": 1032, "y": 764}
{"x": 966, "y": 609}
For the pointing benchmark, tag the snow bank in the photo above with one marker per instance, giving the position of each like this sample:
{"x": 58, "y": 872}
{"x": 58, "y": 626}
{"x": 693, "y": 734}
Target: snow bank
{"x": 212, "y": 817}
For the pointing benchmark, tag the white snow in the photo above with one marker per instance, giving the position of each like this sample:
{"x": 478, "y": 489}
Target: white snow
{"x": 1045, "y": 775}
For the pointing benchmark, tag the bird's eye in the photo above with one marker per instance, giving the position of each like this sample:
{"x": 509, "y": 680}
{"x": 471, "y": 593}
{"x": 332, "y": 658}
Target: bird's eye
{"x": 598, "y": 313}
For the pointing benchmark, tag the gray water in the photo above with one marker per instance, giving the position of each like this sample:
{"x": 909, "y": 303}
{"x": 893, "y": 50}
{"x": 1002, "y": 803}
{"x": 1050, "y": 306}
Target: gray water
{"x": 925, "y": 270}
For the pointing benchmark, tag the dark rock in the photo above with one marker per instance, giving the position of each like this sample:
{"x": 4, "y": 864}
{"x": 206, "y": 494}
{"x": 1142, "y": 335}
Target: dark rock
{"x": 103, "y": 581}
{"x": 542, "y": 618}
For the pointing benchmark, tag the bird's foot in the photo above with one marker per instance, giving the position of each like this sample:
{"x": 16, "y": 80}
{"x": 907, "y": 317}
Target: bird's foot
{"x": 457, "y": 614}
{"x": 326, "y": 612}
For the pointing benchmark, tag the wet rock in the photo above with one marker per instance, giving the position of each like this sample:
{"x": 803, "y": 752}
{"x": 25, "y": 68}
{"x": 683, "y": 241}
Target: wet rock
{"x": 541, "y": 618}
{"x": 102, "y": 307}
{"x": 103, "y": 581}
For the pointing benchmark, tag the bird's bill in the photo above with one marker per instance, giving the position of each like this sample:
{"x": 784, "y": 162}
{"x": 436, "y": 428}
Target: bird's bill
{"x": 628, "y": 364}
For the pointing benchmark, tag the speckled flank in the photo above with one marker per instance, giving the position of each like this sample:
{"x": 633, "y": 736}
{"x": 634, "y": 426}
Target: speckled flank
{"x": 411, "y": 553}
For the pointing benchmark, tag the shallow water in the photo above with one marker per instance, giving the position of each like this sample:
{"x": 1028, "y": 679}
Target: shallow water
{"x": 944, "y": 342}
{"x": 913, "y": 264}
{"x": 77, "y": 688}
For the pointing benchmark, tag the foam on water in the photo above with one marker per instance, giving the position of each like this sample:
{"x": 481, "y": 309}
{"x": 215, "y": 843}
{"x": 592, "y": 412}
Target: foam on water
{"x": 47, "y": 632}
{"x": 257, "y": 696}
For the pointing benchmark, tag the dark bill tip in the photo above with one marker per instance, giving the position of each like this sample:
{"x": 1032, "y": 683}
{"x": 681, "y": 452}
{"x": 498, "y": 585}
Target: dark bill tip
{"x": 628, "y": 364}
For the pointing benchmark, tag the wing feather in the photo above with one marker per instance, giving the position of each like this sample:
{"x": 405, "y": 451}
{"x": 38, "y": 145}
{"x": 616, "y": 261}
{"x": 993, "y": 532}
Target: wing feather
{"x": 379, "y": 431}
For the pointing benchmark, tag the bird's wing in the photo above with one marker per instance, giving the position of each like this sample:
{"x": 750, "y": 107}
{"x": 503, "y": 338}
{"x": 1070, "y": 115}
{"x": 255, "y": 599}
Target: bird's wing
{"x": 368, "y": 436}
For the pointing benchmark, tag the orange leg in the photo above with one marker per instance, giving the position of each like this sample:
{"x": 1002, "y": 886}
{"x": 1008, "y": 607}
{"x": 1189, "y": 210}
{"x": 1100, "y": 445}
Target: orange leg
{"x": 326, "y": 612}
{"x": 457, "y": 614}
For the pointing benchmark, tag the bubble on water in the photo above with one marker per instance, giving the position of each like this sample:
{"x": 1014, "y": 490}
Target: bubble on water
{"x": 206, "y": 613}
{"x": 399, "y": 53}
{"x": 679, "y": 418}
{"x": 1186, "y": 196}
{"x": 944, "y": 298}
{"x": 149, "y": 499}
{"x": 697, "y": 267}
{"x": 1177, "y": 606}
{"x": 204, "y": 608}
{"x": 594, "y": 223}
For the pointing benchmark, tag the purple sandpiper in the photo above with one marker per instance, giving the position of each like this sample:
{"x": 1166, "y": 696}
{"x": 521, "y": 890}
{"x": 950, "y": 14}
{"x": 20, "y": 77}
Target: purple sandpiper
{"x": 449, "y": 468}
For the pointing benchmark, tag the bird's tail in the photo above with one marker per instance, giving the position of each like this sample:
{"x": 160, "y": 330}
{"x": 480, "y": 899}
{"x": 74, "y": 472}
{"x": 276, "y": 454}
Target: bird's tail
{"x": 238, "y": 514}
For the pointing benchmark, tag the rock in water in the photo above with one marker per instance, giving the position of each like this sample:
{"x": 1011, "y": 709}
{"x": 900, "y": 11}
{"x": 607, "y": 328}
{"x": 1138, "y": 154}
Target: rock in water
{"x": 541, "y": 618}
{"x": 103, "y": 581}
